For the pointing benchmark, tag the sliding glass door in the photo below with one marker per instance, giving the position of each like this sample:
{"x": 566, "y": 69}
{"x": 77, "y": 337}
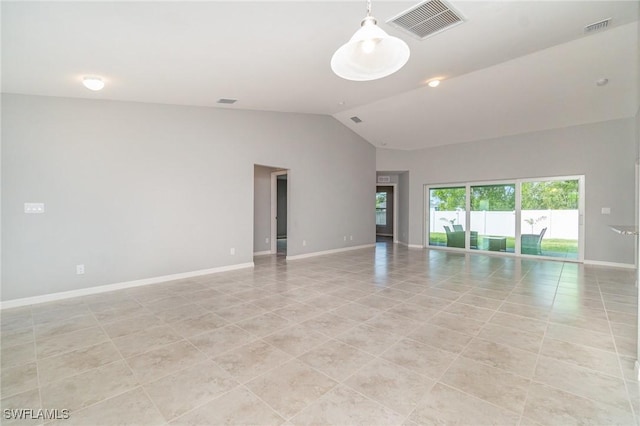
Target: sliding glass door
{"x": 531, "y": 217}
{"x": 447, "y": 210}
{"x": 493, "y": 213}
{"x": 551, "y": 218}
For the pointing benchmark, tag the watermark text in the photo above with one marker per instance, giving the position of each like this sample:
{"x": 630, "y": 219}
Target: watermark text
{"x": 31, "y": 414}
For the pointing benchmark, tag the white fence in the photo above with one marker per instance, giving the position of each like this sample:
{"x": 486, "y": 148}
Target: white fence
{"x": 562, "y": 224}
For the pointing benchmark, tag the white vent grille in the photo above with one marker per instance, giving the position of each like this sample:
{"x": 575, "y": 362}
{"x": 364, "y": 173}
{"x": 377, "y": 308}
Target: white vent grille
{"x": 384, "y": 179}
{"x": 427, "y": 19}
{"x": 356, "y": 119}
{"x": 597, "y": 26}
{"x": 227, "y": 101}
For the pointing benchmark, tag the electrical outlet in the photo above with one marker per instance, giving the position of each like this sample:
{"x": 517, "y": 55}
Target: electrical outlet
{"x": 351, "y": 237}
{"x": 79, "y": 269}
{"x": 304, "y": 243}
{"x": 232, "y": 251}
{"x": 266, "y": 241}
{"x": 345, "y": 238}
{"x": 606, "y": 210}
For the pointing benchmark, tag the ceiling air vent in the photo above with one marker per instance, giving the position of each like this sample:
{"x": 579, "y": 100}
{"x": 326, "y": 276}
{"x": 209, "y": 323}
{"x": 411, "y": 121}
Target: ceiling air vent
{"x": 227, "y": 101}
{"x": 356, "y": 119}
{"x": 597, "y": 26}
{"x": 427, "y": 19}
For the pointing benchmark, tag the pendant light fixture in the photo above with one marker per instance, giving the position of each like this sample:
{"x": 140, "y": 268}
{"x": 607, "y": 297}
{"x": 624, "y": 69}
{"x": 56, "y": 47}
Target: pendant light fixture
{"x": 370, "y": 54}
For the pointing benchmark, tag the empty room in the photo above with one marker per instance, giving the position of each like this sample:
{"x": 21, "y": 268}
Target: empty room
{"x": 338, "y": 212}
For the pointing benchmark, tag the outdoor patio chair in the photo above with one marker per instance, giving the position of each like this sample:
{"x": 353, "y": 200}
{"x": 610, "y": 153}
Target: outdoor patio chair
{"x": 458, "y": 228}
{"x": 532, "y": 243}
{"x": 456, "y": 238}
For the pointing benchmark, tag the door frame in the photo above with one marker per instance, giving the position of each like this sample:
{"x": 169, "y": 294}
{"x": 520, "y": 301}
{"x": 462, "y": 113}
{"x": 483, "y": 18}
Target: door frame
{"x": 274, "y": 208}
{"x": 395, "y": 207}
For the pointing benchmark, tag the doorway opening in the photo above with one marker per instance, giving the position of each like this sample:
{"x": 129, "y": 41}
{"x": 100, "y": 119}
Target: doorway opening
{"x": 385, "y": 214}
{"x": 279, "y": 203}
{"x": 270, "y": 205}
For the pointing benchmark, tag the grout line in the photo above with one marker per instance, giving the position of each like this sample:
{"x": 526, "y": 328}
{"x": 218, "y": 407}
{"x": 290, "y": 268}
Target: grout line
{"x": 544, "y": 335}
{"x": 35, "y": 349}
{"x": 615, "y": 345}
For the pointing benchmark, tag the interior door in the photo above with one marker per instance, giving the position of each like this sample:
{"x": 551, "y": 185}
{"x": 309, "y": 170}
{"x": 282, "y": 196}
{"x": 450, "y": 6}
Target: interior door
{"x": 384, "y": 211}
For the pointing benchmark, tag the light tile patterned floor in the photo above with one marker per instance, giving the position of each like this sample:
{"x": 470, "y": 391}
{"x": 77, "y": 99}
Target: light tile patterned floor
{"x": 370, "y": 337}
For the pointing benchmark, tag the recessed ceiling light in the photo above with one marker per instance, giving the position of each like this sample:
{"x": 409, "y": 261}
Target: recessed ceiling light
{"x": 93, "y": 83}
{"x": 602, "y": 82}
{"x": 434, "y": 83}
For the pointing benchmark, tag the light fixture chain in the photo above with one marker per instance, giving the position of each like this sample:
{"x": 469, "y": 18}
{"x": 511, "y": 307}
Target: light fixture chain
{"x": 368, "y": 7}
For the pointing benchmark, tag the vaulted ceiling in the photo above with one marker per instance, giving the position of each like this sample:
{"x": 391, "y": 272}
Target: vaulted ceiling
{"x": 511, "y": 67}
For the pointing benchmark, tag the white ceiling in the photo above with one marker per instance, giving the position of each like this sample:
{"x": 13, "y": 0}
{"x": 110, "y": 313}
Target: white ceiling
{"x": 513, "y": 67}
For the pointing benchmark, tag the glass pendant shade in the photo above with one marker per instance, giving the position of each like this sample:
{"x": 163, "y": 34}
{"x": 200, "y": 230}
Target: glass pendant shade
{"x": 370, "y": 54}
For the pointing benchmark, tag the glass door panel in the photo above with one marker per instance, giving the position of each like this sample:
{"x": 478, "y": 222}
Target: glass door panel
{"x": 493, "y": 217}
{"x": 550, "y": 218}
{"x": 447, "y": 214}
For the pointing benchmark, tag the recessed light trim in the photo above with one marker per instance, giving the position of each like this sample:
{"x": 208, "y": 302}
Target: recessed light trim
{"x": 93, "y": 83}
{"x": 602, "y": 82}
{"x": 356, "y": 119}
{"x": 434, "y": 83}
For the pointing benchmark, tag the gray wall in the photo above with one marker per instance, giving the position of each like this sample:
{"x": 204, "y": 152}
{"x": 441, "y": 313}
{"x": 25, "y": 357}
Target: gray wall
{"x": 136, "y": 190}
{"x": 404, "y": 207}
{"x": 603, "y": 152}
{"x": 262, "y": 208}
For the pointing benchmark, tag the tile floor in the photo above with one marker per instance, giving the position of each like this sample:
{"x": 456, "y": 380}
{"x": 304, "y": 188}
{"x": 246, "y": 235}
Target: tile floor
{"x": 378, "y": 336}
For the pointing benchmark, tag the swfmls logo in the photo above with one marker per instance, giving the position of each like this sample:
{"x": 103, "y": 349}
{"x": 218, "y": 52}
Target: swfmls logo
{"x": 31, "y": 414}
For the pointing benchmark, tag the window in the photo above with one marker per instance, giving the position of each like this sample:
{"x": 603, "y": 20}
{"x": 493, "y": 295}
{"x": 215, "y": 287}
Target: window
{"x": 532, "y": 217}
{"x": 448, "y": 213}
{"x": 493, "y": 217}
{"x": 381, "y": 208}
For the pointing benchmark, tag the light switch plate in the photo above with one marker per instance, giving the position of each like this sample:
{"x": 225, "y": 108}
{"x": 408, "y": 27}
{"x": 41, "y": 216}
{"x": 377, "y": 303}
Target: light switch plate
{"x": 606, "y": 210}
{"x": 32, "y": 208}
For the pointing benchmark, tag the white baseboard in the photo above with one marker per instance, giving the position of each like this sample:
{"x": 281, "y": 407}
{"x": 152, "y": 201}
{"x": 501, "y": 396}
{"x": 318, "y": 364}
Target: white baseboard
{"x": 321, "y": 253}
{"x": 261, "y": 253}
{"x": 610, "y": 264}
{"x": 402, "y": 243}
{"x": 117, "y": 286}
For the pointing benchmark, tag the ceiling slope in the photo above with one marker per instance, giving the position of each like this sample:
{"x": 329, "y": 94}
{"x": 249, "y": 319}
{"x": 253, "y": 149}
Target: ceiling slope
{"x": 513, "y": 66}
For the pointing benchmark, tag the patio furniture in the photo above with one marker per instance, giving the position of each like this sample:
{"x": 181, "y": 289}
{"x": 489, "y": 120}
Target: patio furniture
{"x": 458, "y": 228}
{"x": 496, "y": 243}
{"x": 532, "y": 243}
{"x": 456, "y": 238}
